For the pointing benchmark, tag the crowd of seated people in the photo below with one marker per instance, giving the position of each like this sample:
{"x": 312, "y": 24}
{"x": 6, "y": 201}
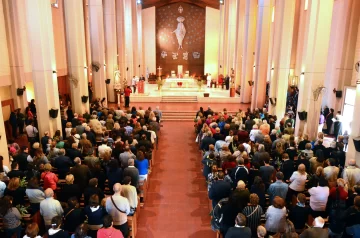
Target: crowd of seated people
{"x": 263, "y": 181}
{"x": 84, "y": 184}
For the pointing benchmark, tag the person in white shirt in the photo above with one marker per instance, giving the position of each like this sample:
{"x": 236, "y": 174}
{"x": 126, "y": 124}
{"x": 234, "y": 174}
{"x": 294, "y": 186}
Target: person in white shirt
{"x": 318, "y": 198}
{"x": 351, "y": 174}
{"x": 50, "y": 207}
{"x": 141, "y": 111}
{"x": 130, "y": 193}
{"x": 118, "y": 208}
{"x": 276, "y": 215}
{"x": 158, "y": 112}
{"x": 134, "y": 82}
{"x": 2, "y": 188}
{"x": 298, "y": 179}
{"x": 31, "y": 132}
{"x": 208, "y": 81}
{"x": 331, "y": 172}
{"x": 104, "y": 148}
{"x": 253, "y": 132}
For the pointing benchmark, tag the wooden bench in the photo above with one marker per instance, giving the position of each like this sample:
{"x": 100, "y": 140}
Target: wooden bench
{"x": 132, "y": 223}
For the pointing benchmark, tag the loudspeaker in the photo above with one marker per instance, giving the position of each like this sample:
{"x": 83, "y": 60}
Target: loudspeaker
{"x": 273, "y": 101}
{"x": 338, "y": 94}
{"x": 84, "y": 99}
{"x": 302, "y": 115}
{"x": 19, "y": 91}
{"x": 357, "y": 143}
{"x": 107, "y": 81}
{"x": 53, "y": 113}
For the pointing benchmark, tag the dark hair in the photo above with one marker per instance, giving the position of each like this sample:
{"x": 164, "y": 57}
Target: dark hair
{"x": 5, "y": 205}
{"x": 73, "y": 202}
{"x": 1, "y": 164}
{"x": 320, "y": 156}
{"x": 332, "y": 162}
{"x": 221, "y": 175}
{"x": 279, "y": 175}
{"x": 127, "y": 180}
{"x": 33, "y": 183}
{"x": 140, "y": 156}
{"x": 323, "y": 182}
{"x": 357, "y": 202}
{"x": 94, "y": 200}
{"x": 107, "y": 221}
{"x": 32, "y": 230}
{"x": 81, "y": 231}
{"x": 113, "y": 165}
{"x": 258, "y": 182}
{"x": 56, "y": 221}
{"x": 93, "y": 182}
{"x": 14, "y": 164}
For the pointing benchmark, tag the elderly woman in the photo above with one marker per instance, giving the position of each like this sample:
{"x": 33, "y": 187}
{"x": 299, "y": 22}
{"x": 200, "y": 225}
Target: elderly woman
{"x": 253, "y": 133}
{"x": 318, "y": 198}
{"x": 317, "y": 161}
{"x": 276, "y": 216}
{"x": 11, "y": 217}
{"x": 35, "y": 194}
{"x": 315, "y": 178}
{"x": 298, "y": 180}
{"x": 15, "y": 191}
{"x": 69, "y": 189}
{"x": 253, "y": 213}
{"x": 224, "y": 152}
{"x": 50, "y": 179}
{"x": 68, "y": 129}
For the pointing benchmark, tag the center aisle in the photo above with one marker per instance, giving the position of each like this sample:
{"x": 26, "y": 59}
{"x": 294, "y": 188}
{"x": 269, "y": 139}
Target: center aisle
{"x": 176, "y": 205}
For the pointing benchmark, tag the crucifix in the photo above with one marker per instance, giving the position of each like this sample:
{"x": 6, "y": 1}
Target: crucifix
{"x": 159, "y": 70}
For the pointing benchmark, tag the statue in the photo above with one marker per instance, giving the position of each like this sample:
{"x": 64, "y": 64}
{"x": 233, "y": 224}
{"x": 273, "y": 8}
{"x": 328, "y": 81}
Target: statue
{"x": 180, "y": 31}
{"x": 117, "y": 75}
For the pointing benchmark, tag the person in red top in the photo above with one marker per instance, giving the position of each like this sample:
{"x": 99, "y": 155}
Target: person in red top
{"x": 50, "y": 179}
{"x": 127, "y": 93}
{"x": 229, "y": 163}
{"x": 343, "y": 194}
{"x": 108, "y": 230}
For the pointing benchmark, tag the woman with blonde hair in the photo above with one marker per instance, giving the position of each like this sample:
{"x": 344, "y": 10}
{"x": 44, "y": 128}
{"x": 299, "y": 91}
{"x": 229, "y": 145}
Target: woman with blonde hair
{"x": 267, "y": 143}
{"x": 50, "y": 179}
{"x": 68, "y": 128}
{"x": 69, "y": 189}
{"x": 261, "y": 232}
{"x": 315, "y": 178}
{"x": 298, "y": 181}
{"x": 15, "y": 191}
{"x": 276, "y": 216}
{"x": 253, "y": 213}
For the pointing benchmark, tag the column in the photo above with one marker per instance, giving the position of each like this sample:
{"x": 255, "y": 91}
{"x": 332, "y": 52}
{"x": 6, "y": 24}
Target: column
{"x": 141, "y": 60}
{"x": 231, "y": 35}
{"x": 96, "y": 21}
{"x": 3, "y": 141}
{"x": 239, "y": 42}
{"x": 313, "y": 63}
{"x": 76, "y": 51}
{"x": 355, "y": 124}
{"x": 284, "y": 14}
{"x": 134, "y": 33}
{"x": 223, "y": 38}
{"x": 18, "y": 51}
{"x": 41, "y": 43}
{"x": 120, "y": 25}
{"x": 110, "y": 45}
{"x": 129, "y": 43}
{"x": 261, "y": 53}
{"x": 248, "y": 50}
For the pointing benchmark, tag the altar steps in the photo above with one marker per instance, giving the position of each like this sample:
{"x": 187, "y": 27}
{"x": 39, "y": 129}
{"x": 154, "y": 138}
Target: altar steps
{"x": 179, "y": 99}
{"x": 182, "y": 116}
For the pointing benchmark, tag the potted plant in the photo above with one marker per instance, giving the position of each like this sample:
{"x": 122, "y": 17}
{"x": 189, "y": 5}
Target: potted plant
{"x": 23, "y": 183}
{"x": 23, "y": 210}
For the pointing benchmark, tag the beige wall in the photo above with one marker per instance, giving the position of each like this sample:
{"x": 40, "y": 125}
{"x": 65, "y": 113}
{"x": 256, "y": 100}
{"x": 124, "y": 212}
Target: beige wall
{"x": 4, "y": 61}
{"x": 149, "y": 39}
{"x": 212, "y": 29}
{"x": 59, "y": 39}
{"x": 5, "y": 92}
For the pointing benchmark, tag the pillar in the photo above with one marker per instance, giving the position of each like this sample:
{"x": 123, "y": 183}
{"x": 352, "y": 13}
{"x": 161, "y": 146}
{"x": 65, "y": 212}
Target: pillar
{"x": 141, "y": 60}
{"x": 240, "y": 21}
{"x": 223, "y": 37}
{"x": 96, "y": 21}
{"x": 110, "y": 45}
{"x": 120, "y": 29}
{"x": 261, "y": 53}
{"x": 41, "y": 43}
{"x": 76, "y": 51}
{"x": 17, "y": 44}
{"x": 284, "y": 13}
{"x": 248, "y": 50}
{"x": 231, "y": 35}
{"x": 313, "y": 63}
{"x": 128, "y": 40}
{"x": 3, "y": 141}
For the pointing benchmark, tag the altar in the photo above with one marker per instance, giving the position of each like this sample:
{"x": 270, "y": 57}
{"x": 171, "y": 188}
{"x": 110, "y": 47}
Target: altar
{"x": 179, "y": 82}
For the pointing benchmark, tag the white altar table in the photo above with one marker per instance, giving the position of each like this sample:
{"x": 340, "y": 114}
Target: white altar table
{"x": 173, "y": 82}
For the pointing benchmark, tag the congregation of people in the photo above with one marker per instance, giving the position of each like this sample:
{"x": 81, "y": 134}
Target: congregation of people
{"x": 263, "y": 181}
{"x": 83, "y": 181}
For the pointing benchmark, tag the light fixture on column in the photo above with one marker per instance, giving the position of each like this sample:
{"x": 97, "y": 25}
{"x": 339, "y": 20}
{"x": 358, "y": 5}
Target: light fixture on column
{"x": 20, "y": 91}
{"x": 302, "y": 73}
{"x": 273, "y": 101}
{"x": 302, "y": 115}
{"x": 251, "y": 83}
{"x": 84, "y": 99}
{"x": 221, "y": 2}
{"x": 107, "y": 81}
{"x": 138, "y": 1}
{"x": 95, "y": 66}
{"x": 54, "y": 72}
{"x": 53, "y": 112}
{"x": 272, "y": 68}
{"x": 85, "y": 67}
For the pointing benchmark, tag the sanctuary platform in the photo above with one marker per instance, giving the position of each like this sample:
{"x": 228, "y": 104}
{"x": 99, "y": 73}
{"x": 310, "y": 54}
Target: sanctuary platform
{"x": 175, "y": 93}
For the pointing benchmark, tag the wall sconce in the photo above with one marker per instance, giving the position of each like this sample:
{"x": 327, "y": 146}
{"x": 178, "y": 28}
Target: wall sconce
{"x": 293, "y": 81}
{"x": 221, "y": 2}
{"x": 85, "y": 67}
{"x": 20, "y": 91}
{"x": 302, "y": 115}
{"x": 104, "y": 65}
{"x": 272, "y": 101}
{"x": 220, "y": 66}
{"x": 302, "y": 73}
{"x": 54, "y": 72}
{"x": 127, "y": 68}
{"x": 251, "y": 83}
{"x": 254, "y": 66}
{"x": 107, "y": 81}
{"x": 84, "y": 99}
{"x": 138, "y": 1}
{"x": 139, "y": 66}
{"x": 272, "y": 68}
{"x": 53, "y": 112}
{"x": 337, "y": 93}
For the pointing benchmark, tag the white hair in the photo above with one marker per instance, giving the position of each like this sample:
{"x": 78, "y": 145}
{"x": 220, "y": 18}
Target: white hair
{"x": 319, "y": 222}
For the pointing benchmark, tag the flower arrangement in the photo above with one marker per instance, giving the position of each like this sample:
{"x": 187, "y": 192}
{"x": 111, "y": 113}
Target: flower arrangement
{"x": 23, "y": 183}
{"x": 23, "y": 210}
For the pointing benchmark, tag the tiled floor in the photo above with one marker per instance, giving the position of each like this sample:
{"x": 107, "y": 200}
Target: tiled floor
{"x": 177, "y": 205}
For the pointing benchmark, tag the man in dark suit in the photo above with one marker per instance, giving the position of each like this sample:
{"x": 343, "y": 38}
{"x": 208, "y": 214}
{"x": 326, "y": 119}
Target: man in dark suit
{"x": 227, "y": 82}
{"x": 240, "y": 172}
{"x": 81, "y": 174}
{"x": 73, "y": 152}
{"x": 287, "y": 166}
{"x": 21, "y": 158}
{"x": 219, "y": 189}
{"x": 62, "y": 163}
{"x": 208, "y": 140}
{"x": 132, "y": 172}
{"x": 15, "y": 172}
{"x": 144, "y": 142}
{"x": 240, "y": 229}
{"x": 44, "y": 141}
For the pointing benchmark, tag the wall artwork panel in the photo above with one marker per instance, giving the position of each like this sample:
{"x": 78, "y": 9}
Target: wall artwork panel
{"x": 180, "y": 38}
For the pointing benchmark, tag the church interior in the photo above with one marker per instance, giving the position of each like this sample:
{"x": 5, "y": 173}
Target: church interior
{"x": 179, "y": 118}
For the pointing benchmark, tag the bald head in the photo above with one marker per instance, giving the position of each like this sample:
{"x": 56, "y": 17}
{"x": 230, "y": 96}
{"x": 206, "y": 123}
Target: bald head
{"x": 49, "y": 193}
{"x": 117, "y": 188}
{"x": 241, "y": 185}
{"x": 319, "y": 222}
{"x": 352, "y": 162}
{"x": 77, "y": 160}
